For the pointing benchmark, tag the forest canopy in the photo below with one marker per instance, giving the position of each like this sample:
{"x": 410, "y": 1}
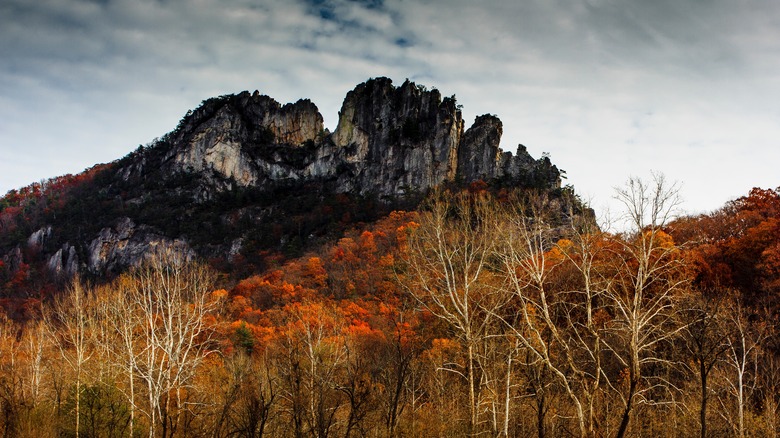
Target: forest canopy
{"x": 483, "y": 313}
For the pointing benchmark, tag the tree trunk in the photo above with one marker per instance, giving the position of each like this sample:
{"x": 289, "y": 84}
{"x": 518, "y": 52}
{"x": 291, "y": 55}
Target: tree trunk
{"x": 621, "y": 433}
{"x": 741, "y": 400}
{"x": 78, "y": 400}
{"x": 703, "y": 410}
{"x": 132, "y": 405}
{"x": 507, "y": 395}
{"x": 540, "y": 413}
{"x": 472, "y": 391}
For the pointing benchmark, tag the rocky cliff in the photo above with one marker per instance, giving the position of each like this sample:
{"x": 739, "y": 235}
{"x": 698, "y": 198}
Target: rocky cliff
{"x": 244, "y": 174}
{"x": 390, "y": 141}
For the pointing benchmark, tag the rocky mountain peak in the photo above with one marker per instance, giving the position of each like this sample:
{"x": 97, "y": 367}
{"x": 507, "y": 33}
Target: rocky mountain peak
{"x": 243, "y": 173}
{"x": 397, "y": 140}
{"x": 390, "y": 141}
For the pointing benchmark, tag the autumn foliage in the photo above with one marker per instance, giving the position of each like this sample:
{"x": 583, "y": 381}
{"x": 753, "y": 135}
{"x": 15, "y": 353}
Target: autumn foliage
{"x": 485, "y": 313}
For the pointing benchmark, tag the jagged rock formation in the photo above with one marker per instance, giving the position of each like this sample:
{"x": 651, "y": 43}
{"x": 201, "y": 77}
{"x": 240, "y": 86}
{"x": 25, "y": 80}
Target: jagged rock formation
{"x": 244, "y": 141}
{"x": 64, "y": 262}
{"x": 480, "y": 156}
{"x": 125, "y": 245}
{"x": 39, "y": 238}
{"x": 397, "y": 140}
{"x": 215, "y": 183}
{"x": 390, "y": 141}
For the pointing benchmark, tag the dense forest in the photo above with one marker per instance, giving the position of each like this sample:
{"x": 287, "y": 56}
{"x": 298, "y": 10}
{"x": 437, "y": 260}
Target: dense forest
{"x": 485, "y": 312}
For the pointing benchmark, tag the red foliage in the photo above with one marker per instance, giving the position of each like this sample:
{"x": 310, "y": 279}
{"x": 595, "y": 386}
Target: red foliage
{"x": 357, "y": 272}
{"x": 736, "y": 246}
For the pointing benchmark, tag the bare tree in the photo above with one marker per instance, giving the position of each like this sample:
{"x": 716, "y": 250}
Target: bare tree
{"x": 743, "y": 350}
{"x": 647, "y": 281}
{"x": 704, "y": 337}
{"x": 310, "y": 354}
{"x": 247, "y": 396}
{"x": 70, "y": 323}
{"x": 400, "y": 352}
{"x": 124, "y": 341}
{"x": 557, "y": 326}
{"x": 448, "y": 272}
{"x": 35, "y": 342}
{"x": 10, "y": 378}
{"x": 499, "y": 359}
{"x": 770, "y": 376}
{"x": 172, "y": 298}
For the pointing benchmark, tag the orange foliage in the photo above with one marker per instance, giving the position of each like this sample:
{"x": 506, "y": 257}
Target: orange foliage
{"x": 315, "y": 272}
{"x": 443, "y": 350}
{"x": 219, "y": 294}
{"x": 736, "y": 246}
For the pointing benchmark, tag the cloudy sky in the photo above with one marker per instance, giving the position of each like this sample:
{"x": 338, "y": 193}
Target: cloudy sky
{"x": 609, "y": 88}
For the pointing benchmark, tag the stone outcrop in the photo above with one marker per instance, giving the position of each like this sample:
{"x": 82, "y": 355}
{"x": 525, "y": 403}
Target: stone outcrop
{"x": 13, "y": 259}
{"x": 217, "y": 148}
{"x": 292, "y": 124}
{"x": 389, "y": 141}
{"x": 479, "y": 156}
{"x": 64, "y": 262}
{"x": 39, "y": 238}
{"x": 125, "y": 245}
{"x": 397, "y": 140}
{"x": 246, "y": 152}
{"x": 247, "y": 140}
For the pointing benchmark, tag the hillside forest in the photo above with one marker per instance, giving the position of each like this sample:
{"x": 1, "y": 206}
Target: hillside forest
{"x": 485, "y": 312}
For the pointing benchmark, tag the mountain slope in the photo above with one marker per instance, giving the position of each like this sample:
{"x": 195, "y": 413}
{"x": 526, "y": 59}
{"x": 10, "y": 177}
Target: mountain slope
{"x": 244, "y": 179}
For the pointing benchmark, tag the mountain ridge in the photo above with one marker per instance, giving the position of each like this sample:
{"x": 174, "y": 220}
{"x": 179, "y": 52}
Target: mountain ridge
{"x": 243, "y": 174}
{"x": 388, "y": 140}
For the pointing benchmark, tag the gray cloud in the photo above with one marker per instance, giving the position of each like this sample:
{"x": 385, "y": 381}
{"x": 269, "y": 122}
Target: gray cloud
{"x": 609, "y": 87}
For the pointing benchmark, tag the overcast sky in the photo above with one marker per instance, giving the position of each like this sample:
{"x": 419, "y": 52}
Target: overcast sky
{"x": 609, "y": 88}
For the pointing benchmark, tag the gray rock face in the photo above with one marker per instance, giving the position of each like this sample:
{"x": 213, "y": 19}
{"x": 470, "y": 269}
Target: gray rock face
{"x": 126, "y": 245}
{"x": 13, "y": 259}
{"x": 248, "y": 141}
{"x": 390, "y": 141}
{"x": 38, "y": 238}
{"x": 64, "y": 262}
{"x": 480, "y": 156}
{"x": 217, "y": 148}
{"x": 521, "y": 167}
{"x": 292, "y": 124}
{"x": 397, "y": 140}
